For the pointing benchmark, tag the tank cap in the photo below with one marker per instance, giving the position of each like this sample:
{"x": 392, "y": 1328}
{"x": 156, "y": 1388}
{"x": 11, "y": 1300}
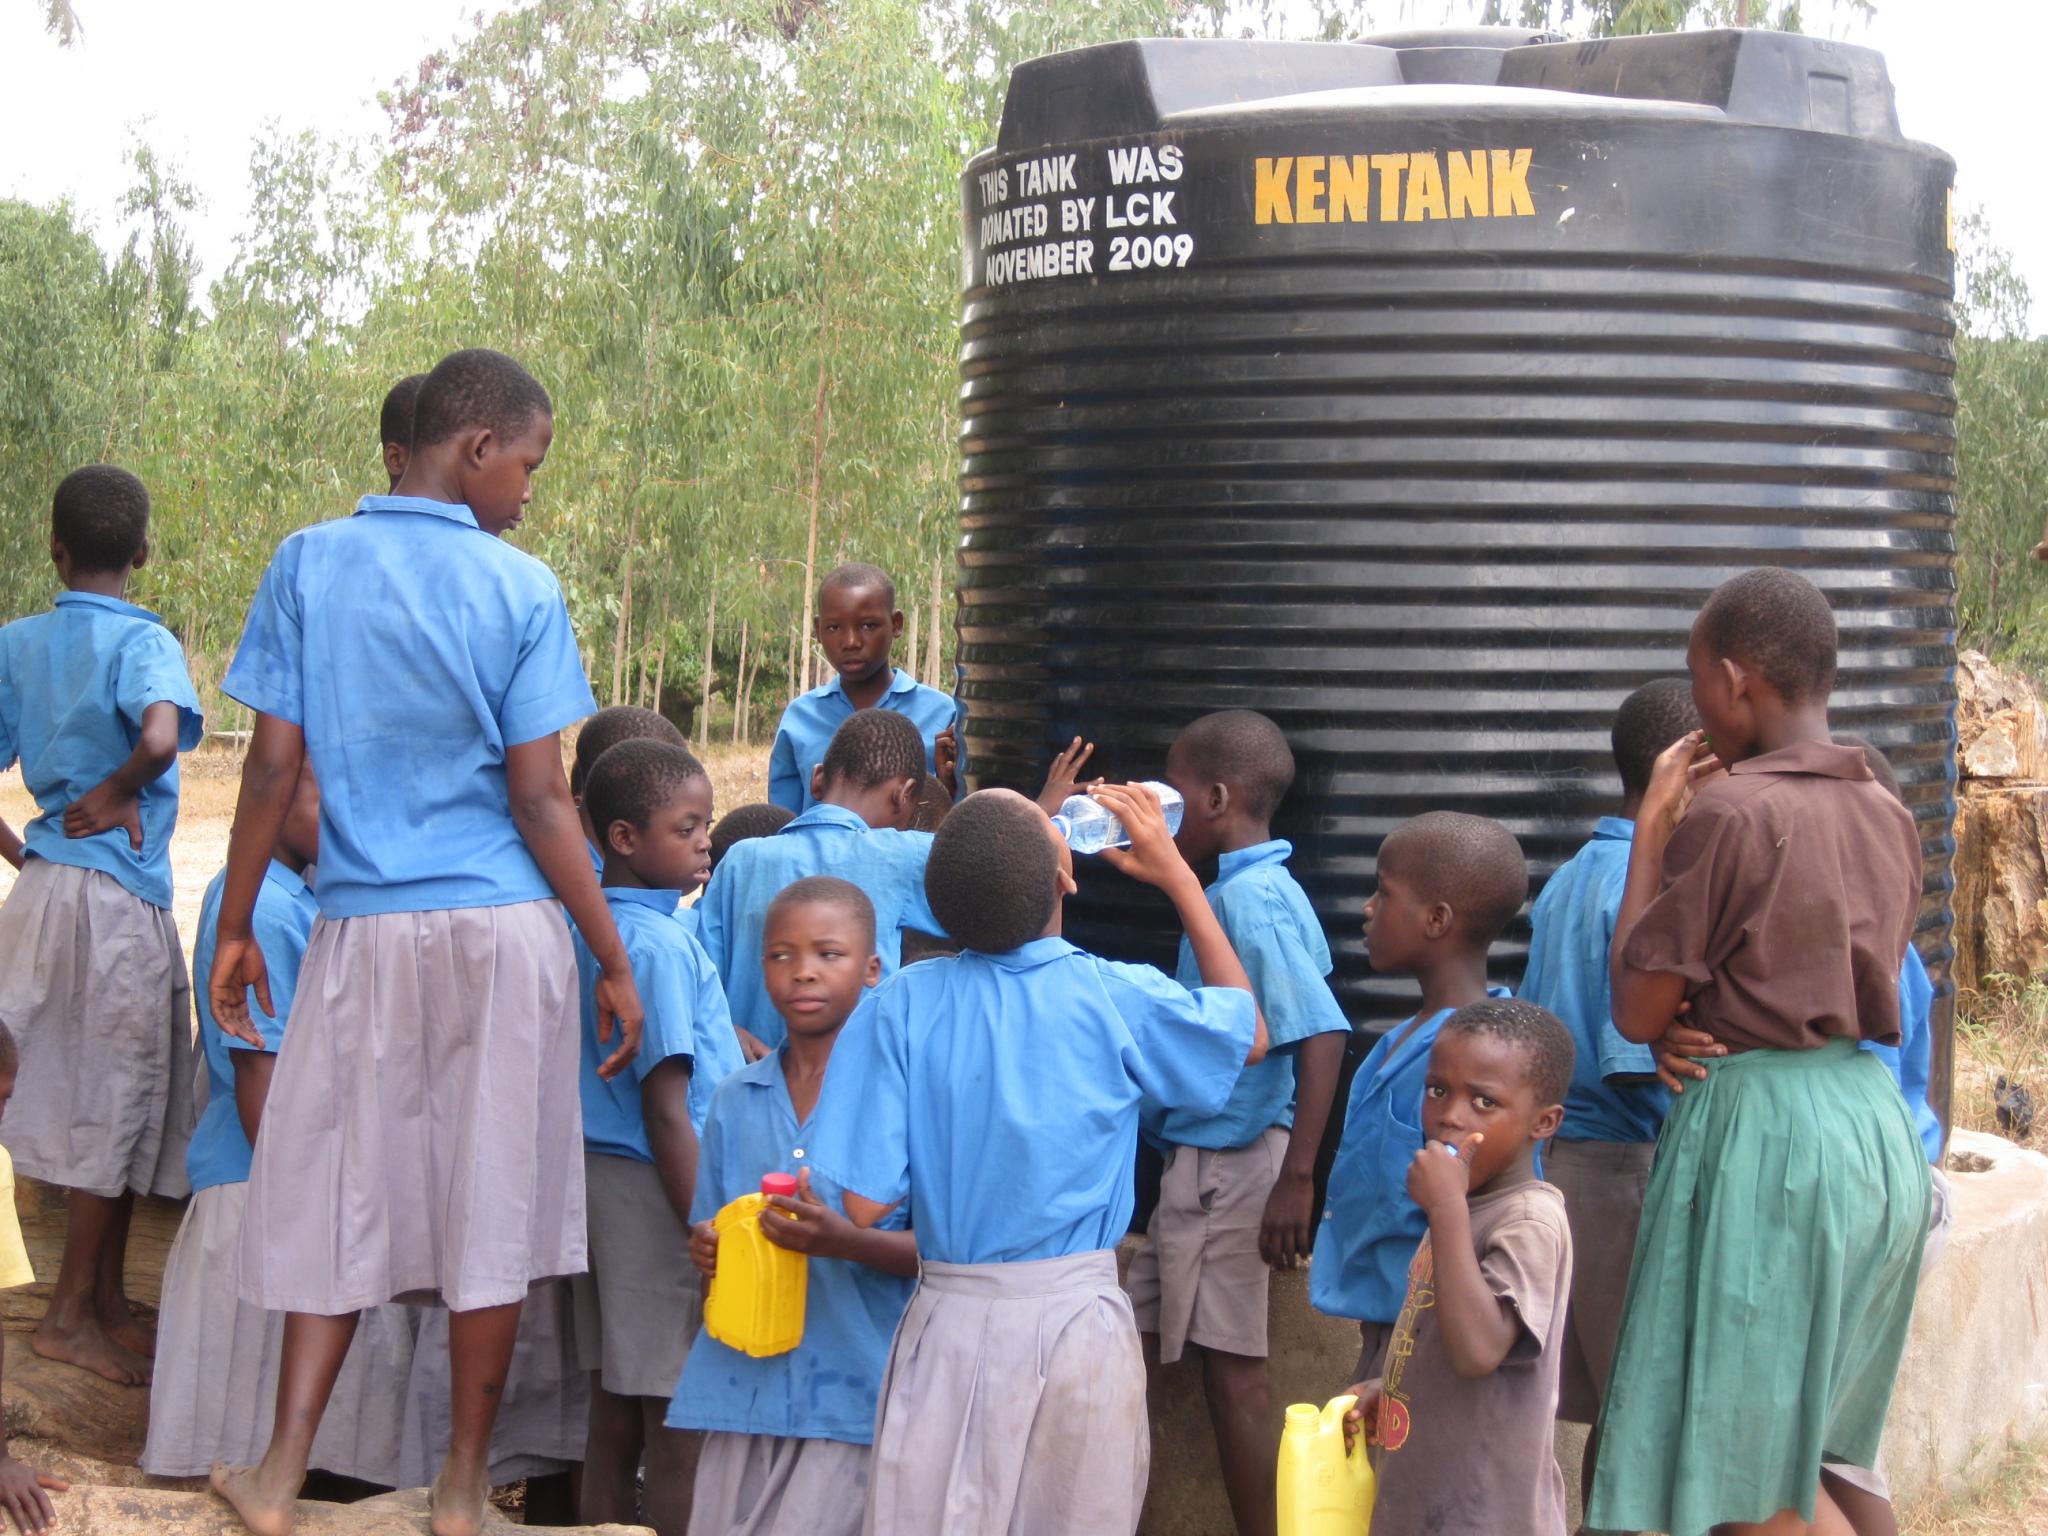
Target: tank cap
{"x": 779, "y": 1184}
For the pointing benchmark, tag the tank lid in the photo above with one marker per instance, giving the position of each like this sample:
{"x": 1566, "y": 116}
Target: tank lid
{"x": 1771, "y": 79}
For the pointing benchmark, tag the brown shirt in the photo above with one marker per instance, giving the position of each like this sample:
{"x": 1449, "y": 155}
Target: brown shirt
{"x": 1789, "y": 895}
{"x": 1478, "y": 1458}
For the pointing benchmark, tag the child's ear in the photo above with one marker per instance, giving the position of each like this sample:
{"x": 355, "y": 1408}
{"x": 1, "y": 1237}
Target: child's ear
{"x": 896, "y": 626}
{"x": 1547, "y": 1122}
{"x": 141, "y": 556}
{"x": 872, "y": 976}
{"x": 479, "y": 447}
{"x": 622, "y": 838}
{"x": 818, "y": 782}
{"x": 1438, "y": 918}
{"x": 395, "y": 455}
{"x": 1734, "y": 681}
{"x": 1219, "y": 799}
{"x": 1067, "y": 886}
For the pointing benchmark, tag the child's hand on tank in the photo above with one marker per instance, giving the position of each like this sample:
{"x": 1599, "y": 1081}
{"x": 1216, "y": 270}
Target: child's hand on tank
{"x": 805, "y": 1224}
{"x": 1287, "y": 1232}
{"x": 1152, "y": 856}
{"x": 1441, "y": 1174}
{"x": 618, "y": 1002}
{"x": 25, "y": 1495}
{"x": 704, "y": 1248}
{"x": 238, "y": 966}
{"x": 1063, "y": 779}
{"x": 103, "y": 808}
{"x": 1680, "y": 770}
{"x": 752, "y": 1046}
{"x": 946, "y": 760}
{"x": 1363, "y": 1421}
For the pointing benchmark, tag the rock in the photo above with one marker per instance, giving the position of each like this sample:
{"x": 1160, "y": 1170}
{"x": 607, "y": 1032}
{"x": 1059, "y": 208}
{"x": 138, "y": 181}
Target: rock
{"x": 2001, "y": 872}
{"x": 94, "y": 1510}
{"x": 74, "y": 1468}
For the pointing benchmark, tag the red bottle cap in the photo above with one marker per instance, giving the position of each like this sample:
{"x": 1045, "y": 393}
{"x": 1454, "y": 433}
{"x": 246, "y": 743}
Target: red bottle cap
{"x": 778, "y": 1184}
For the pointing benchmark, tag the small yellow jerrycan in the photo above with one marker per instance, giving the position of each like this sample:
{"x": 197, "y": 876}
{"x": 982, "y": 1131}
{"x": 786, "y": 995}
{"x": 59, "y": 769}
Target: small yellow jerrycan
{"x": 1323, "y": 1492}
{"x": 756, "y": 1300}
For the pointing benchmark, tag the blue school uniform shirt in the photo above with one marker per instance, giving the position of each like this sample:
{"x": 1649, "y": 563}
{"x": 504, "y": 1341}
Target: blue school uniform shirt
{"x": 1908, "y": 1060}
{"x": 685, "y": 1016}
{"x": 74, "y": 683}
{"x": 825, "y": 840}
{"x": 827, "y": 1387}
{"x": 1267, "y": 918}
{"x": 999, "y": 1094}
{"x": 282, "y": 923}
{"x": 412, "y": 648}
{"x": 1572, "y": 934}
{"x": 1370, "y": 1228}
{"x": 811, "y": 718}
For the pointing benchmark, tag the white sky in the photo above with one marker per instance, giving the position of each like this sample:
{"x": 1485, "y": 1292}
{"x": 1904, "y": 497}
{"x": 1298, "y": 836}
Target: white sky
{"x": 200, "y": 77}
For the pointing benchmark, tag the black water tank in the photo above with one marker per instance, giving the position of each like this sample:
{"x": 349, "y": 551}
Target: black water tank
{"x": 1417, "y": 393}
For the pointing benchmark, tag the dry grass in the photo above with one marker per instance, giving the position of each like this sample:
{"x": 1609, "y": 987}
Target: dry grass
{"x": 2001, "y": 1030}
{"x": 2012, "y": 1502}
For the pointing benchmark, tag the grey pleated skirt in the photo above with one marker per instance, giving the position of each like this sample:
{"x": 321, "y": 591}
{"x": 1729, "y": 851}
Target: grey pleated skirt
{"x": 93, "y": 984}
{"x": 543, "y": 1418}
{"x": 1014, "y": 1402}
{"x": 778, "y": 1485}
{"x": 217, "y": 1357}
{"x": 423, "y": 1140}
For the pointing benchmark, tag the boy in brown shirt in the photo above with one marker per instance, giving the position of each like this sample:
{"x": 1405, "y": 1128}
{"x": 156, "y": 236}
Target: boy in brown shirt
{"x": 1462, "y": 1419}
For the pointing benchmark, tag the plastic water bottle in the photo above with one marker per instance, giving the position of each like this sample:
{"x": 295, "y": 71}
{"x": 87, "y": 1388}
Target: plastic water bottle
{"x": 756, "y": 1300}
{"x": 1089, "y": 826}
{"x": 1322, "y": 1490}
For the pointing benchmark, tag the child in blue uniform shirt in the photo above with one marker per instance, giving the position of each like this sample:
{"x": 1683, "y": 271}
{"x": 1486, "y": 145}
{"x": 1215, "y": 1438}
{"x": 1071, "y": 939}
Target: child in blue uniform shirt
{"x": 857, "y": 625}
{"x": 1238, "y": 1189}
{"x": 96, "y": 705}
{"x": 867, "y": 794}
{"x": 787, "y": 1448}
{"x": 217, "y": 1356}
{"x": 598, "y": 735}
{"x": 637, "y": 1308}
{"x": 1448, "y": 883}
{"x": 424, "y": 1140}
{"x": 998, "y": 1092}
{"x": 1600, "y": 1158}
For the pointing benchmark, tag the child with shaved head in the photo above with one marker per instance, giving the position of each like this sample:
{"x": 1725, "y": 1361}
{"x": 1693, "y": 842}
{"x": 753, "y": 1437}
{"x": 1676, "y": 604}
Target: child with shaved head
{"x": 1448, "y": 884}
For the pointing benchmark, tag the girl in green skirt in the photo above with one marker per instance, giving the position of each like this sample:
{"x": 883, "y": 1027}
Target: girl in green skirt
{"x": 1771, "y": 891}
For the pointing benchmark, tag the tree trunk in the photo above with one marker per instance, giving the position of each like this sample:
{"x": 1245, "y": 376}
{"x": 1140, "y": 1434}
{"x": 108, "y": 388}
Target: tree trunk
{"x": 661, "y": 656}
{"x": 794, "y": 688}
{"x": 625, "y": 627}
{"x": 739, "y": 678}
{"x": 934, "y": 658}
{"x": 910, "y": 657}
{"x": 818, "y": 432}
{"x": 704, "y": 703}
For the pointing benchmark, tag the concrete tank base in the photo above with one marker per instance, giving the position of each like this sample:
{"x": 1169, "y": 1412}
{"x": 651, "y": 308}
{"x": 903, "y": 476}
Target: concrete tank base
{"x": 1974, "y": 1380}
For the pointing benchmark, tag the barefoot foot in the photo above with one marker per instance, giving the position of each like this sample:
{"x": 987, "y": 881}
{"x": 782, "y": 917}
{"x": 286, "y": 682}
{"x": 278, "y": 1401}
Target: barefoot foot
{"x": 87, "y": 1345}
{"x": 129, "y": 1331}
{"x": 264, "y": 1508}
{"x": 456, "y": 1505}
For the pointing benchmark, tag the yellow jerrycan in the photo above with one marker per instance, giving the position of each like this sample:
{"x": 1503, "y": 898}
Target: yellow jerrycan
{"x": 1322, "y": 1491}
{"x": 756, "y": 1300}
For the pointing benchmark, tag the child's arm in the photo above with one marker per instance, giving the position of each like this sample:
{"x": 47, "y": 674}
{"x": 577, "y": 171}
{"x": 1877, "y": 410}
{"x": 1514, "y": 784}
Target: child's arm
{"x": 1288, "y": 1231}
{"x": 253, "y": 1071}
{"x": 270, "y": 777}
{"x": 1153, "y": 859}
{"x": 553, "y": 833}
{"x": 665, "y": 1107}
{"x": 785, "y": 784}
{"x": 10, "y": 843}
{"x": 1645, "y": 1002}
{"x": 113, "y": 801}
{"x": 1478, "y": 1327}
{"x": 25, "y": 1492}
{"x": 809, "y": 1226}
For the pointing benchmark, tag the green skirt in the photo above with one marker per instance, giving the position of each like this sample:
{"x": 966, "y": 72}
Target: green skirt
{"x": 1770, "y": 1295}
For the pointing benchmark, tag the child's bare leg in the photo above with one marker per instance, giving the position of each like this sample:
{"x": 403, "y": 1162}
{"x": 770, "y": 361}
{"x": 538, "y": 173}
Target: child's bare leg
{"x": 265, "y": 1495}
{"x": 110, "y": 1284}
{"x": 1240, "y": 1411}
{"x": 1865, "y": 1512}
{"x": 479, "y": 1355}
{"x": 1828, "y": 1520}
{"x": 671, "y": 1470}
{"x": 611, "y": 1455}
{"x": 71, "y": 1330}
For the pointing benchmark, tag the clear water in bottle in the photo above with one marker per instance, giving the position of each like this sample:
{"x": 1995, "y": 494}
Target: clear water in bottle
{"x": 1090, "y": 826}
